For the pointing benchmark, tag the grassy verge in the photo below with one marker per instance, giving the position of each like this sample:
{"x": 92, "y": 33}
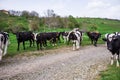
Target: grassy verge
{"x": 112, "y": 73}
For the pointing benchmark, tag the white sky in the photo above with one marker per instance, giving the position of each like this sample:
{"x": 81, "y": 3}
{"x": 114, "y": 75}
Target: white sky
{"x": 80, "y": 8}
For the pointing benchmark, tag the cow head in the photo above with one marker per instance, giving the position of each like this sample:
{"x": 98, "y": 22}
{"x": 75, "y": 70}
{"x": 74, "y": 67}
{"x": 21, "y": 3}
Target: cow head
{"x": 113, "y": 43}
{"x": 35, "y": 35}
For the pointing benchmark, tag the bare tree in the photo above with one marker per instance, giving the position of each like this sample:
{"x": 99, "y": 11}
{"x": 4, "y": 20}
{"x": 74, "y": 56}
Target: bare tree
{"x": 34, "y": 14}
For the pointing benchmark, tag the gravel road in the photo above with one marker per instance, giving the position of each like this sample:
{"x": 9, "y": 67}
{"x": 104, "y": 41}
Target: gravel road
{"x": 59, "y": 64}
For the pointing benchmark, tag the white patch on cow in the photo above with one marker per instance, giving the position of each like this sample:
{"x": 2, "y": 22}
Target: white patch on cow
{"x": 112, "y": 60}
{"x": 110, "y": 37}
{"x": 106, "y": 35}
{"x": 35, "y": 35}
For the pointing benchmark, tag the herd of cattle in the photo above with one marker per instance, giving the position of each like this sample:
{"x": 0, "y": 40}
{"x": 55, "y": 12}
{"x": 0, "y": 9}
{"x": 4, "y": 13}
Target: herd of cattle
{"x": 75, "y": 36}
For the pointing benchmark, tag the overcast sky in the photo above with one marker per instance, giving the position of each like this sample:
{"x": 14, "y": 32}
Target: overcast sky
{"x": 80, "y": 8}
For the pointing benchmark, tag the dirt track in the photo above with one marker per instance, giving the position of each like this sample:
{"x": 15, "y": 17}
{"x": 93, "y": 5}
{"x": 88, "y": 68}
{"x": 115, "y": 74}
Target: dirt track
{"x": 62, "y": 64}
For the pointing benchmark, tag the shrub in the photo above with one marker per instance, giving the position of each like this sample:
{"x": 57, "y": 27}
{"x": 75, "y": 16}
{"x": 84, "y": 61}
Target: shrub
{"x": 17, "y": 28}
{"x": 93, "y": 27}
{"x": 3, "y": 25}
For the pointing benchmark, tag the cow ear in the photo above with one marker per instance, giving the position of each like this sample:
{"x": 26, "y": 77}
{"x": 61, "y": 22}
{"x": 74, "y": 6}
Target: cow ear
{"x": 104, "y": 39}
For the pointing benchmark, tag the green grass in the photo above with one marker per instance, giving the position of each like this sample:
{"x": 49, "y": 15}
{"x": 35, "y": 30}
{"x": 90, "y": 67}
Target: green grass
{"x": 112, "y": 73}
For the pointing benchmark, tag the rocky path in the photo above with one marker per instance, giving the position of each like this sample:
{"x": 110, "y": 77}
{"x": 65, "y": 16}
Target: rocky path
{"x": 62, "y": 64}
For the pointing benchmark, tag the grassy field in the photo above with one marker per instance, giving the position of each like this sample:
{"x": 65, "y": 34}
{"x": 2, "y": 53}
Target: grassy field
{"x": 103, "y": 25}
{"x": 112, "y": 73}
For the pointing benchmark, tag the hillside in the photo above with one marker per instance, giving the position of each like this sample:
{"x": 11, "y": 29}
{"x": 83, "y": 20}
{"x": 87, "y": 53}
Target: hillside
{"x": 103, "y": 25}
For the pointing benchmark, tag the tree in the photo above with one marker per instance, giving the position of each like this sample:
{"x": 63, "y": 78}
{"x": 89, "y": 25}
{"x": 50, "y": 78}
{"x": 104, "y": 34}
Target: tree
{"x": 72, "y": 22}
{"x": 49, "y": 19}
{"x": 25, "y": 14}
{"x": 34, "y": 14}
{"x": 50, "y": 13}
{"x": 15, "y": 13}
{"x": 34, "y": 25}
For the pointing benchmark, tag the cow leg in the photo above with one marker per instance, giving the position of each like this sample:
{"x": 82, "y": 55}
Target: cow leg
{"x": 95, "y": 43}
{"x": 80, "y": 41}
{"x": 33, "y": 43}
{"x": 44, "y": 43}
{"x": 77, "y": 44}
{"x": 91, "y": 41}
{"x": 37, "y": 45}
{"x": 112, "y": 58}
{"x": 5, "y": 49}
{"x": 41, "y": 45}
{"x": 119, "y": 55}
{"x": 74, "y": 45}
{"x": 18, "y": 46}
{"x": 54, "y": 41}
{"x": 1, "y": 54}
{"x": 59, "y": 39}
{"x": 24, "y": 45}
{"x": 117, "y": 64}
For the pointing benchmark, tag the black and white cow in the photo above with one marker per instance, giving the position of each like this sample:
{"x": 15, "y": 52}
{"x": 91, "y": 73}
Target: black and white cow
{"x": 76, "y": 37}
{"x": 109, "y": 36}
{"x": 94, "y": 36}
{"x": 41, "y": 40}
{"x": 64, "y": 36}
{"x": 113, "y": 45}
{"x": 24, "y": 36}
{"x": 4, "y": 41}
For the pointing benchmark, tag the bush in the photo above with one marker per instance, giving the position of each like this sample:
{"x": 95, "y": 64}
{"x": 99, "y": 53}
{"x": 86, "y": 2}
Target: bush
{"x": 93, "y": 27}
{"x": 17, "y": 28}
{"x": 3, "y": 25}
{"x": 34, "y": 26}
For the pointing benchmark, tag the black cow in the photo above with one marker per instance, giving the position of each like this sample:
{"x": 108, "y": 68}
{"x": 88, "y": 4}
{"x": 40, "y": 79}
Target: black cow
{"x": 94, "y": 36}
{"x": 53, "y": 37}
{"x": 24, "y": 36}
{"x": 42, "y": 38}
{"x": 114, "y": 47}
{"x": 4, "y": 41}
